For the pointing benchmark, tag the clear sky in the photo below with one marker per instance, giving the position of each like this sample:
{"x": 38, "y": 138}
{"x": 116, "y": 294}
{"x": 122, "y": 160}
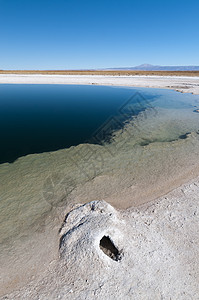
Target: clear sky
{"x": 79, "y": 34}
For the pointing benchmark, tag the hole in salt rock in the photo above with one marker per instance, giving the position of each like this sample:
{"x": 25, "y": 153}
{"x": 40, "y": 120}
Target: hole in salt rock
{"x": 107, "y": 246}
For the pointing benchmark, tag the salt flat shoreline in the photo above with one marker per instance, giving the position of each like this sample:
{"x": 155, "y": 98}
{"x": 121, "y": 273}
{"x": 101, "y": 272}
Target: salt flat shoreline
{"x": 179, "y": 83}
{"x": 160, "y": 235}
{"x": 158, "y": 243}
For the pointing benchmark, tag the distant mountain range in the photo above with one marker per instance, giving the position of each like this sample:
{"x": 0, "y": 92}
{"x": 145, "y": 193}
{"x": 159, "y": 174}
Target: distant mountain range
{"x": 147, "y": 67}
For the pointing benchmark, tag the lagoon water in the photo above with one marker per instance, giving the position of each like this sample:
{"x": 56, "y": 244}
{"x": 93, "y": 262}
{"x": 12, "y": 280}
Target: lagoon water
{"x": 42, "y": 118}
{"x": 68, "y": 144}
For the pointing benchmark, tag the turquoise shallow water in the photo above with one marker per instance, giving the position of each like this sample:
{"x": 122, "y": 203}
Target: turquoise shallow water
{"x": 137, "y": 144}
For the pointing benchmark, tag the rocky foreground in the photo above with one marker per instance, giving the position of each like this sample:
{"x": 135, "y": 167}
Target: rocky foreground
{"x": 150, "y": 252}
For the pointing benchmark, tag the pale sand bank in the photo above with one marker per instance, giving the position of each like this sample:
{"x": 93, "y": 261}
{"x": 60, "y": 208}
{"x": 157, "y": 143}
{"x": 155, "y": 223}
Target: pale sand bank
{"x": 183, "y": 84}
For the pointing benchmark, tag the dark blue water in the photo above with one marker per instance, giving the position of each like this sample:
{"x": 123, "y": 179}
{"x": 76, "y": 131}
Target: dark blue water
{"x": 41, "y": 118}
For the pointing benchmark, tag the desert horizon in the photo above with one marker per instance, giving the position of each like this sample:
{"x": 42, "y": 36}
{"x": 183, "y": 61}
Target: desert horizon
{"x": 104, "y": 72}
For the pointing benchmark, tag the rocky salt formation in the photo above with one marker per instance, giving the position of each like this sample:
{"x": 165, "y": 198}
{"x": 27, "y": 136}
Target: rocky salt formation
{"x": 150, "y": 252}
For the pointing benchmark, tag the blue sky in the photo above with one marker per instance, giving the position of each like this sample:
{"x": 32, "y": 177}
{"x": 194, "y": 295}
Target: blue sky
{"x": 74, "y": 34}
